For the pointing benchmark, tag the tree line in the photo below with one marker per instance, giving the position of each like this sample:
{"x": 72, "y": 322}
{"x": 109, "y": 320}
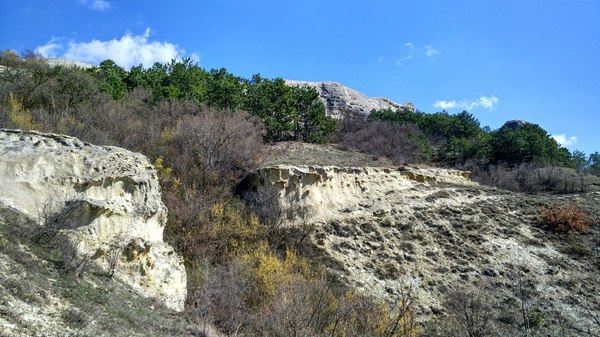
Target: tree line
{"x": 288, "y": 113}
{"x": 458, "y": 138}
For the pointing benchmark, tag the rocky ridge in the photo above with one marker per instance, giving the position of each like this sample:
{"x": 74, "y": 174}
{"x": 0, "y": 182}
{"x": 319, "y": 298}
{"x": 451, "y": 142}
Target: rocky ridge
{"x": 106, "y": 203}
{"x": 385, "y": 230}
{"x": 339, "y": 99}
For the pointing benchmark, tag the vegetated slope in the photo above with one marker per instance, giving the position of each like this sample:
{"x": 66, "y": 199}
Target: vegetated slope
{"x": 385, "y": 231}
{"x": 297, "y": 153}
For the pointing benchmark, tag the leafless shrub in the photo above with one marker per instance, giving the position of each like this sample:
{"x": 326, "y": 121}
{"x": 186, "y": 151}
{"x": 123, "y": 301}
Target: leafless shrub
{"x": 402, "y": 143}
{"x": 529, "y": 178}
{"x": 469, "y": 313}
{"x": 524, "y": 317}
{"x": 75, "y": 318}
{"x": 220, "y": 299}
{"x": 216, "y": 147}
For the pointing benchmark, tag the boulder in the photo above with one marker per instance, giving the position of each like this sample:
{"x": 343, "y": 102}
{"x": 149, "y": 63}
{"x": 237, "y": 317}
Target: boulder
{"x": 514, "y": 124}
{"x": 106, "y": 203}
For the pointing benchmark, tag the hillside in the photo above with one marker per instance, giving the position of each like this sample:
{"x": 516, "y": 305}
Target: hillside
{"x": 434, "y": 234}
{"x": 277, "y": 219}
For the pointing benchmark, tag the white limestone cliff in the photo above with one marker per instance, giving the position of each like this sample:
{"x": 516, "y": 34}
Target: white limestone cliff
{"x": 324, "y": 191}
{"x": 339, "y": 99}
{"x": 106, "y": 199}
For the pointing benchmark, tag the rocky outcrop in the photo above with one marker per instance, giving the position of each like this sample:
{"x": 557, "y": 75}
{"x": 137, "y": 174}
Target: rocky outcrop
{"x": 514, "y": 124}
{"x": 57, "y": 61}
{"x": 105, "y": 200}
{"x": 339, "y": 99}
{"x": 323, "y": 191}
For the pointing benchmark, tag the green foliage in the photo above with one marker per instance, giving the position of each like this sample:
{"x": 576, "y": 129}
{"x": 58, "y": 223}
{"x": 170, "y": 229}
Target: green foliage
{"x": 271, "y": 101}
{"x": 525, "y": 144}
{"x": 311, "y": 124}
{"x": 460, "y": 136}
{"x": 223, "y": 90}
{"x": 594, "y": 163}
{"x": 579, "y": 161}
{"x": 112, "y": 79}
{"x": 289, "y": 113}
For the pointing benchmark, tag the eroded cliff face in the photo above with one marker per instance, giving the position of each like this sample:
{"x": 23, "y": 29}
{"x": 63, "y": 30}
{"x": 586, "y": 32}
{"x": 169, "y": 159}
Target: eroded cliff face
{"x": 432, "y": 230}
{"x": 339, "y": 99}
{"x": 105, "y": 200}
{"x": 322, "y": 192}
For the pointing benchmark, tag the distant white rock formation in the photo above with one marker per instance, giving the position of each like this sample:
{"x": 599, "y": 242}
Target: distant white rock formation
{"x": 56, "y": 61}
{"x": 339, "y": 99}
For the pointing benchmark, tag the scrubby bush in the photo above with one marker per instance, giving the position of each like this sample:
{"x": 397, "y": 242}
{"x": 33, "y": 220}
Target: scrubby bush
{"x": 261, "y": 294}
{"x": 529, "y": 178}
{"x": 565, "y": 217}
{"x": 402, "y": 143}
{"x": 469, "y": 313}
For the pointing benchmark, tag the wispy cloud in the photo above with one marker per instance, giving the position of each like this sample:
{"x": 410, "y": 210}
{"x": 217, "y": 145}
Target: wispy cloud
{"x": 430, "y": 51}
{"x": 445, "y": 104}
{"x": 402, "y": 60}
{"x": 97, "y": 5}
{"x": 51, "y": 48}
{"x": 414, "y": 51}
{"x": 565, "y": 141}
{"x": 487, "y": 102}
{"x": 410, "y": 46}
{"x": 127, "y": 51}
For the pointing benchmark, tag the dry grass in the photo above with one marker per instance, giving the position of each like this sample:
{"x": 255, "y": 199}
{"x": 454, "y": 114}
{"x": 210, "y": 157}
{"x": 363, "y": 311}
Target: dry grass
{"x": 295, "y": 153}
{"x": 565, "y": 217}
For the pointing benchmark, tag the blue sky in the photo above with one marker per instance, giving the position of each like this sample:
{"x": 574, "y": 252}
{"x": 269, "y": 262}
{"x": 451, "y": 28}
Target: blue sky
{"x": 499, "y": 59}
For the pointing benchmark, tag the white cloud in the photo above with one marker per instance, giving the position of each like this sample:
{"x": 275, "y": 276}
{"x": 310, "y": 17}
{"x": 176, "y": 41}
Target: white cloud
{"x": 445, "y": 104}
{"x": 127, "y": 51}
{"x": 430, "y": 51}
{"x": 402, "y": 60}
{"x": 98, "y": 5}
{"x": 486, "y": 102}
{"x": 565, "y": 141}
{"x": 50, "y": 49}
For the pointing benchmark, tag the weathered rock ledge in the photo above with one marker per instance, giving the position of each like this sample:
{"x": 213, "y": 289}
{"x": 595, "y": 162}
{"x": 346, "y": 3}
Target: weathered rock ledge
{"x": 105, "y": 199}
{"x": 322, "y": 191}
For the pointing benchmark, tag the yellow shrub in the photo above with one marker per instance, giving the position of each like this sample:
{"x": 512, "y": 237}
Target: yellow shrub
{"x": 270, "y": 274}
{"x": 233, "y": 231}
{"x": 165, "y": 174}
{"x": 21, "y": 118}
{"x": 354, "y": 313}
